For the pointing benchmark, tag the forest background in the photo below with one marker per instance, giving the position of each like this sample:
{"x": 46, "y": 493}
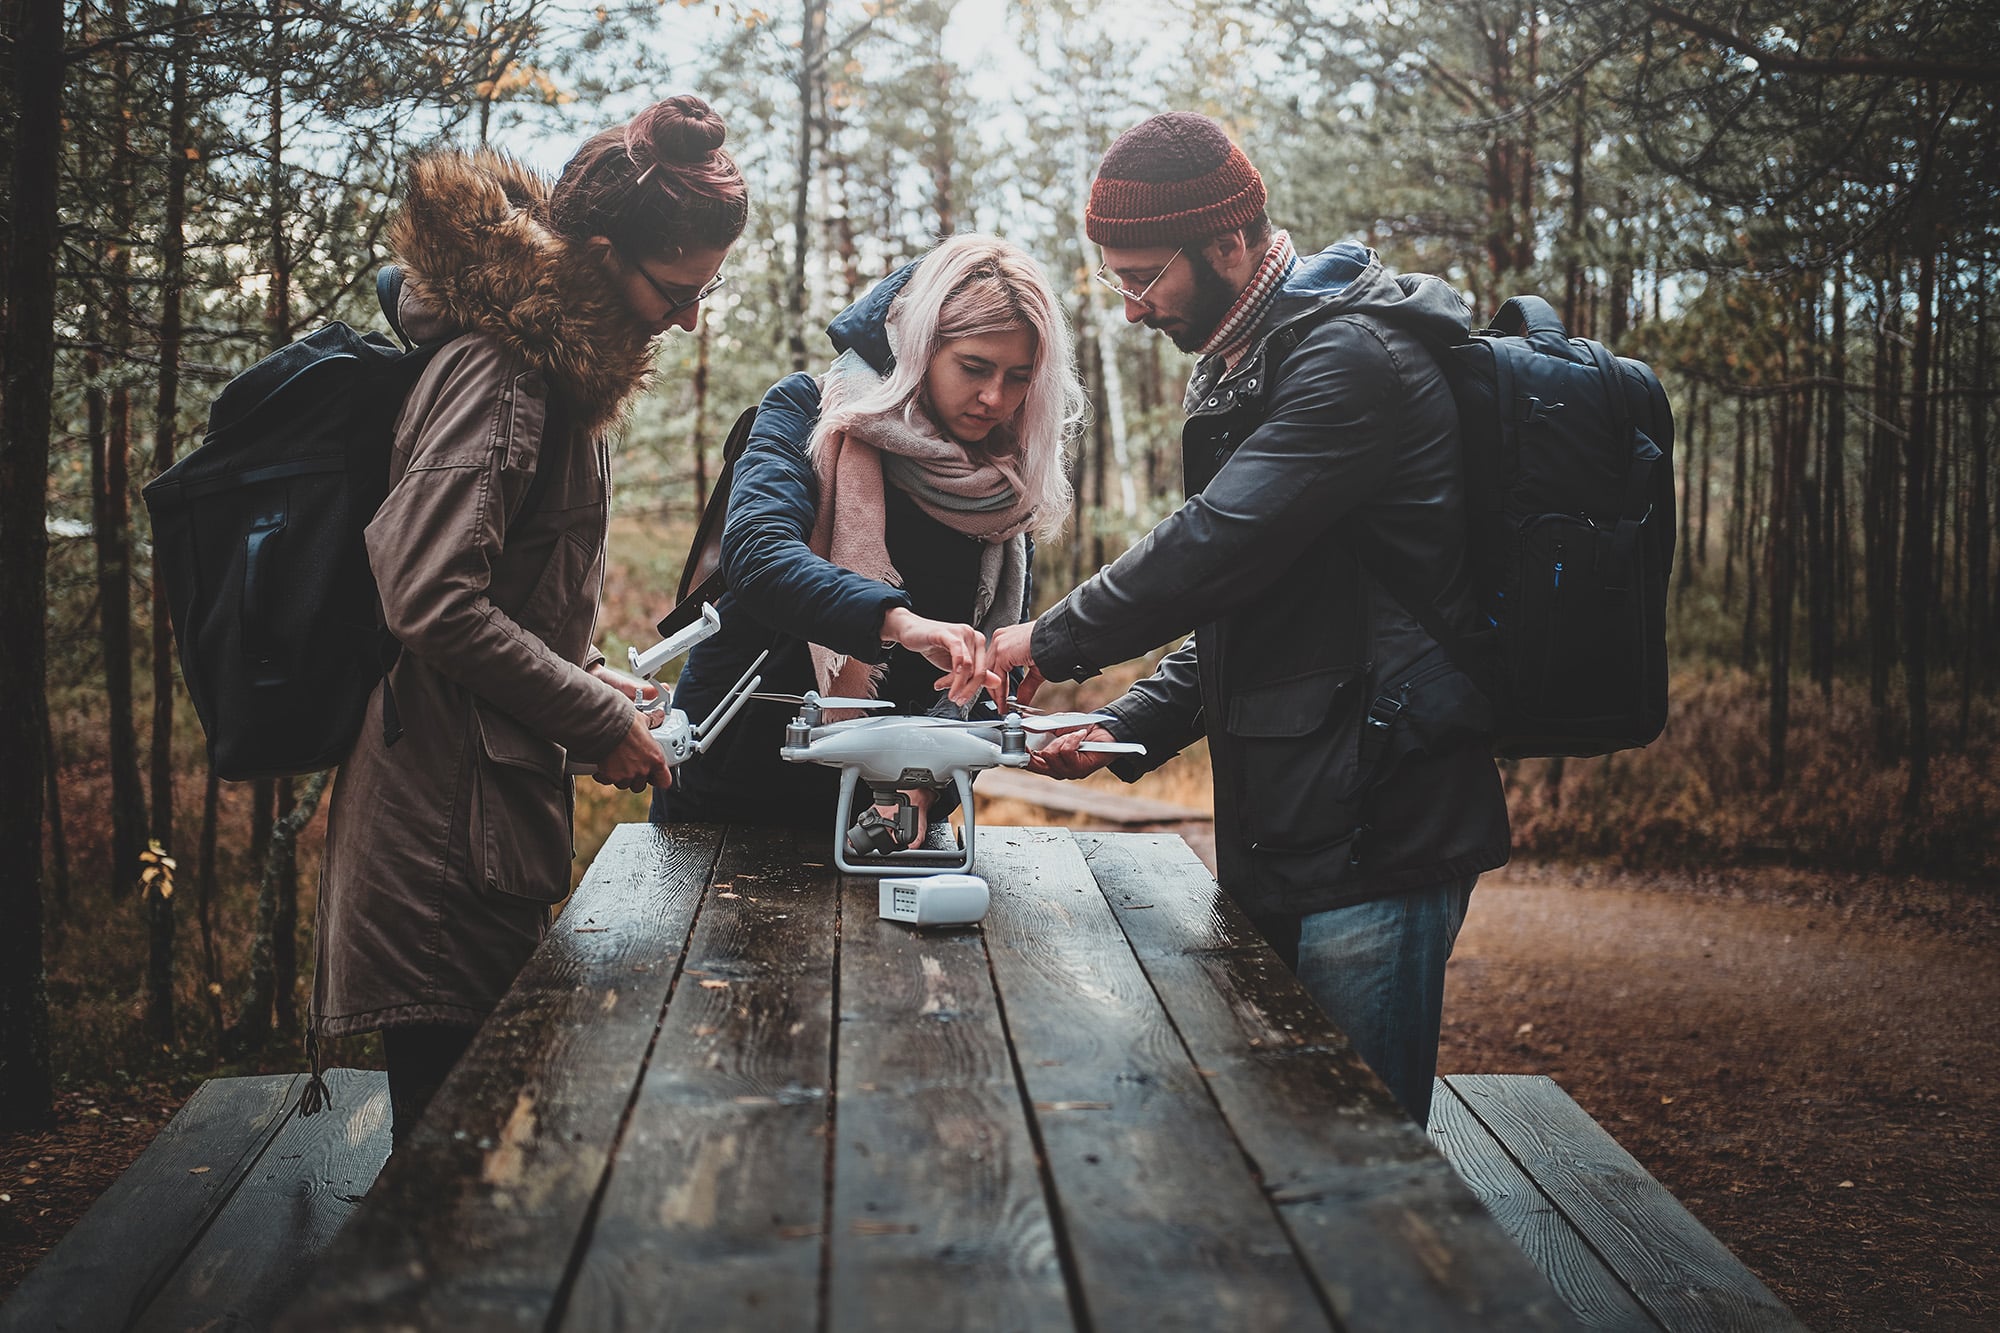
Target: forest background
{"x": 1788, "y": 207}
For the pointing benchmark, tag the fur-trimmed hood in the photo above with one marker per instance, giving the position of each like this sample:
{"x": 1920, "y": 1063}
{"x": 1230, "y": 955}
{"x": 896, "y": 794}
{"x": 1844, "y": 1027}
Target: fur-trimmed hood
{"x": 476, "y": 258}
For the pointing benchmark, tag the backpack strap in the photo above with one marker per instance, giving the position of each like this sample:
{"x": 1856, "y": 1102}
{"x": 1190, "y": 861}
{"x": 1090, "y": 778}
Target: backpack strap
{"x": 555, "y": 426}
{"x": 389, "y": 295}
{"x": 1636, "y": 505}
{"x": 702, "y": 579}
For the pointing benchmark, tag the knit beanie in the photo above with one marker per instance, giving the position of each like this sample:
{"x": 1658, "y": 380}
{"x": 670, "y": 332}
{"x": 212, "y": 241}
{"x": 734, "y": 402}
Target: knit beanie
{"x": 1173, "y": 179}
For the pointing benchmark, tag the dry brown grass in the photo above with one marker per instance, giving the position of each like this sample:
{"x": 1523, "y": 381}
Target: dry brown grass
{"x": 1701, "y": 794}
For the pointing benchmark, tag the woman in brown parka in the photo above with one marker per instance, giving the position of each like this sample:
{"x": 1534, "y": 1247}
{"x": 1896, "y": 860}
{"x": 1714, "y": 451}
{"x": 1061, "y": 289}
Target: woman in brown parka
{"x": 446, "y": 847}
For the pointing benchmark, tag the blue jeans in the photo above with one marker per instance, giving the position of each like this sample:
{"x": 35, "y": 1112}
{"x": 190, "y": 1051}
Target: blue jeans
{"x": 1377, "y": 970}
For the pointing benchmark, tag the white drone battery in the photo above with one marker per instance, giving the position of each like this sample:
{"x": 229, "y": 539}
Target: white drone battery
{"x": 934, "y": 900}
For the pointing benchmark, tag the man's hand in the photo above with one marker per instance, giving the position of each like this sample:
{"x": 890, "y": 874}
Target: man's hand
{"x": 1061, "y": 758}
{"x": 1012, "y": 647}
{"x": 960, "y": 650}
{"x": 642, "y": 692}
{"x": 638, "y": 762}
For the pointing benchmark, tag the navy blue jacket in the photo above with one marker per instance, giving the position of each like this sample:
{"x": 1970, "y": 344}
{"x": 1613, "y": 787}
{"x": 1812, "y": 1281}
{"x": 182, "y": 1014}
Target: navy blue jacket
{"x": 782, "y": 597}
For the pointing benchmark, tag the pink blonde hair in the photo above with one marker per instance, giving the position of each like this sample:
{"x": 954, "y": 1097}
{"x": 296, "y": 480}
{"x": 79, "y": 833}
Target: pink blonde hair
{"x": 970, "y": 285}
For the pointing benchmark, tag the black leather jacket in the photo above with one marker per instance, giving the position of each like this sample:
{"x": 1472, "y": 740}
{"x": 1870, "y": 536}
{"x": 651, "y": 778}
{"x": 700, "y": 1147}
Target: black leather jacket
{"x": 1329, "y": 450}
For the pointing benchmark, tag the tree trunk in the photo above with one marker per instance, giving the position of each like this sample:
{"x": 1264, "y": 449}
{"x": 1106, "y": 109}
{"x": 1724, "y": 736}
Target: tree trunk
{"x": 1781, "y": 564}
{"x": 1700, "y": 551}
{"x": 1524, "y": 168}
{"x": 1111, "y": 381}
{"x": 112, "y": 541}
{"x": 285, "y": 923}
{"x": 1833, "y": 490}
{"x": 812, "y": 34}
{"x": 25, "y": 418}
{"x": 1819, "y": 525}
{"x": 1879, "y": 514}
{"x": 58, "y": 898}
{"x": 1687, "y": 511}
{"x": 1751, "y": 585}
{"x": 204, "y": 885}
{"x": 1979, "y": 640}
{"x": 1917, "y": 587}
{"x": 278, "y": 311}
{"x": 279, "y": 872}
{"x": 114, "y": 508}
{"x": 1573, "y": 267}
{"x": 1733, "y": 538}
{"x": 166, "y": 423}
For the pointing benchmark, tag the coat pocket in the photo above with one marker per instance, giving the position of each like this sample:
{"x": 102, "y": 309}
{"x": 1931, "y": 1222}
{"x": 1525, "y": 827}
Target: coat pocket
{"x": 521, "y": 812}
{"x": 1298, "y": 746}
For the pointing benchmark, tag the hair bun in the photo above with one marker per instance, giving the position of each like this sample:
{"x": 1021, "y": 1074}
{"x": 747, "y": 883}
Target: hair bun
{"x": 679, "y": 129}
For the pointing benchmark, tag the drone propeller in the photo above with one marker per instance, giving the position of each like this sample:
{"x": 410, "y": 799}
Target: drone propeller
{"x": 827, "y": 701}
{"x": 1044, "y": 722}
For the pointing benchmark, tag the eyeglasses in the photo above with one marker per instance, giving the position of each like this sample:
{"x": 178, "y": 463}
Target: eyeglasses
{"x": 1139, "y": 297}
{"x": 675, "y": 304}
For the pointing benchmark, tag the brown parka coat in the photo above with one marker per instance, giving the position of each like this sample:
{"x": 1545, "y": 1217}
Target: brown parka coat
{"x": 445, "y": 849}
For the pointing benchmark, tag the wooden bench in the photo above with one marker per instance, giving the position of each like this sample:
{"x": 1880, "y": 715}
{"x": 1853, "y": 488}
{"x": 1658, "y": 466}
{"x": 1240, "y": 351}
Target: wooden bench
{"x": 219, "y": 1219}
{"x": 1620, "y": 1250}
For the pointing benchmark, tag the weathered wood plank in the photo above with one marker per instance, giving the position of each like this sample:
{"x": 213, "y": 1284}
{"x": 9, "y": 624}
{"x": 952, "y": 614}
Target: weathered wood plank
{"x": 1591, "y": 1290}
{"x": 299, "y": 1192}
{"x": 1165, "y": 1226}
{"x": 1393, "y": 1237}
{"x": 1074, "y": 798}
{"x": 472, "y": 1225}
{"x": 128, "y": 1245}
{"x": 1679, "y": 1271}
{"x": 712, "y": 1216}
{"x": 939, "y": 1216}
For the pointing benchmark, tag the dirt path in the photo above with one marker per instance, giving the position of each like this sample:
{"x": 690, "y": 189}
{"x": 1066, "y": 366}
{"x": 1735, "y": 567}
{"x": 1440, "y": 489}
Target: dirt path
{"x": 1816, "y": 1082}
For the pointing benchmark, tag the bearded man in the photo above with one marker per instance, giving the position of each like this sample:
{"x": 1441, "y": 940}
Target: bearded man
{"x": 1355, "y": 801}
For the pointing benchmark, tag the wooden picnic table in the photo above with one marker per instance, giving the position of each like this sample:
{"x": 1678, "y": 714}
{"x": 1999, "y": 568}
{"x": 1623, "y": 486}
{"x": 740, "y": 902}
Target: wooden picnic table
{"x": 725, "y": 1094}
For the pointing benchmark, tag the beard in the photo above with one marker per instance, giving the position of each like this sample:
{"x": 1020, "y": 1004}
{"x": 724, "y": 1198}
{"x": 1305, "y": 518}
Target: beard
{"x": 1211, "y": 301}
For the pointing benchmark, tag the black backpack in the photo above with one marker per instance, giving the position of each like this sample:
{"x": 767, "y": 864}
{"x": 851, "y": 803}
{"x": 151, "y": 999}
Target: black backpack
{"x": 702, "y": 579}
{"x": 258, "y": 535}
{"x": 1570, "y": 499}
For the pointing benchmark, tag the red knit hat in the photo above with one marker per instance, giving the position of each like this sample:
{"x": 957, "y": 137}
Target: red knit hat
{"x": 1172, "y": 179}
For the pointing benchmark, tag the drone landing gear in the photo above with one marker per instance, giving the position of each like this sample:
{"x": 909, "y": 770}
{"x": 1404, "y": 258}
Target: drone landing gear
{"x": 877, "y": 845}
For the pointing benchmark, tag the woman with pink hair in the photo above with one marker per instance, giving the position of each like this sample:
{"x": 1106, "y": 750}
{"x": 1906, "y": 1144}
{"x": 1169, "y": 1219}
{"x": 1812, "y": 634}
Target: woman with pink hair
{"x": 881, "y": 519}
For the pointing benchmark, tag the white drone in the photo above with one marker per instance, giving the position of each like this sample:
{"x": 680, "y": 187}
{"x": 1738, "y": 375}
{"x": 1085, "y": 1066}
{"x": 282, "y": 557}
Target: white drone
{"x": 678, "y": 738}
{"x": 893, "y": 754}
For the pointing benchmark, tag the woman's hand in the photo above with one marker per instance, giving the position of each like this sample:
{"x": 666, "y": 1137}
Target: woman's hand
{"x": 638, "y": 762}
{"x": 960, "y": 650}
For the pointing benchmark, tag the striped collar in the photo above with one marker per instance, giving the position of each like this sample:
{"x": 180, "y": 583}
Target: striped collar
{"x": 1232, "y": 336}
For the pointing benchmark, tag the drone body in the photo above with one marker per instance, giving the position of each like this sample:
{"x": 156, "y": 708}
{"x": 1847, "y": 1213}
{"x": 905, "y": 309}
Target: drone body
{"x": 894, "y": 754}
